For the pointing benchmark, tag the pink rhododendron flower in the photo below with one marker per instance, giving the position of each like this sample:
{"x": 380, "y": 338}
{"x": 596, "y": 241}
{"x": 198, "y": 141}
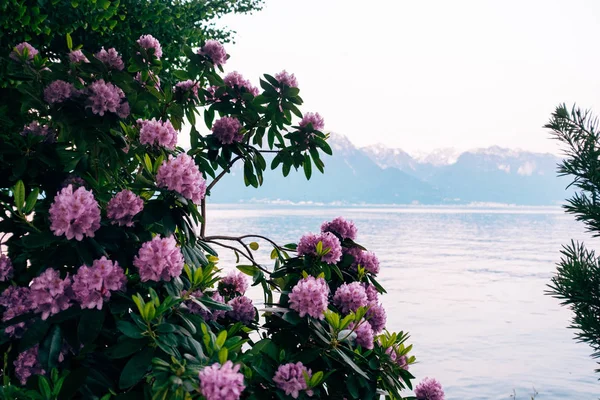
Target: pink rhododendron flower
{"x": 50, "y": 293}
{"x": 6, "y": 268}
{"x": 429, "y": 389}
{"x": 150, "y": 42}
{"x": 377, "y": 317}
{"x": 233, "y": 283}
{"x": 364, "y": 335}
{"x": 19, "y": 50}
{"x": 58, "y": 91}
{"x": 214, "y": 51}
{"x": 17, "y": 301}
{"x": 349, "y": 297}
{"x": 181, "y": 174}
{"x": 308, "y": 246}
{"x": 341, "y": 227}
{"x": 317, "y": 122}
{"x": 187, "y": 86}
{"x": 159, "y": 133}
{"x": 74, "y": 214}
{"x": 287, "y": 79}
{"x": 27, "y": 365}
{"x": 236, "y": 80}
{"x": 123, "y": 207}
{"x": 159, "y": 260}
{"x": 93, "y": 285}
{"x": 309, "y": 297}
{"x": 290, "y": 378}
{"x": 227, "y": 130}
{"x": 221, "y": 382}
{"x": 77, "y": 56}
{"x": 105, "y": 97}
{"x": 110, "y": 58}
{"x": 243, "y": 310}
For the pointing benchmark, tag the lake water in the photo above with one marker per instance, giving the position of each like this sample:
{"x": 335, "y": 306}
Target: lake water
{"x": 467, "y": 283}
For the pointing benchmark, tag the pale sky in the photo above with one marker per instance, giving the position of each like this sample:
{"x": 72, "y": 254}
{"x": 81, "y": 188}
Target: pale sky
{"x": 420, "y": 75}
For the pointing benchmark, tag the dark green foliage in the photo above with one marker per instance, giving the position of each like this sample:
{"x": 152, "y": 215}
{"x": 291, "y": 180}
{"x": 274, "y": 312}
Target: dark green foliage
{"x": 114, "y": 23}
{"x": 577, "y": 282}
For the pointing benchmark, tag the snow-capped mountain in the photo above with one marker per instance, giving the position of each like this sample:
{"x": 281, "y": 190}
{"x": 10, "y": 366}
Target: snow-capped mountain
{"x": 438, "y": 157}
{"x": 380, "y": 175}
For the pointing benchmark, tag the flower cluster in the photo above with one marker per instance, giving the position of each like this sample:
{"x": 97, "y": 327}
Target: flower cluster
{"x": 77, "y": 56}
{"x": 16, "y": 301}
{"x": 110, "y": 58}
{"x": 214, "y": 51}
{"x": 36, "y": 129}
{"x": 74, "y": 214}
{"x": 50, "y": 294}
{"x": 27, "y": 364}
{"x": 187, "y": 87}
{"x": 123, "y": 207}
{"x": 236, "y": 80}
{"x": 6, "y": 268}
{"x": 366, "y": 259}
{"x": 372, "y": 293}
{"x": 233, "y": 283}
{"x": 105, "y": 97}
{"x": 181, "y": 174}
{"x": 341, "y": 227}
{"x": 242, "y": 310}
{"x": 205, "y": 314}
{"x": 429, "y": 389}
{"x": 58, "y": 91}
{"x": 20, "y": 49}
{"x": 309, "y": 297}
{"x": 330, "y": 243}
{"x": 159, "y": 260}
{"x": 364, "y": 335}
{"x": 159, "y": 133}
{"x": 150, "y": 42}
{"x": 313, "y": 119}
{"x": 377, "y": 316}
{"x": 349, "y": 297}
{"x": 221, "y": 382}
{"x": 287, "y": 79}
{"x": 290, "y": 378}
{"x": 227, "y": 130}
{"x": 93, "y": 285}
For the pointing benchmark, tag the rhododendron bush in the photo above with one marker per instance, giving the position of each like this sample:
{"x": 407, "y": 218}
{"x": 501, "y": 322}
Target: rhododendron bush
{"x": 109, "y": 285}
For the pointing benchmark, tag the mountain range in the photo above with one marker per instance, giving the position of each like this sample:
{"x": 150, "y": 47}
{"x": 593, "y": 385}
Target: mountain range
{"x": 381, "y": 175}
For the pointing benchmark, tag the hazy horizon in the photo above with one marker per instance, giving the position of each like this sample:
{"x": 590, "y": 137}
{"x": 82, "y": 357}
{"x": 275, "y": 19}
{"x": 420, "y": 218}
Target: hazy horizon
{"x": 465, "y": 74}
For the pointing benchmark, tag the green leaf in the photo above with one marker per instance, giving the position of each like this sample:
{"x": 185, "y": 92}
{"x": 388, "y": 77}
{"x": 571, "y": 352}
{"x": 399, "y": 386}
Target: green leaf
{"x": 223, "y": 353}
{"x": 136, "y": 368}
{"x": 351, "y": 363}
{"x": 248, "y": 269}
{"x": 19, "y": 194}
{"x": 90, "y": 325}
{"x": 69, "y": 41}
{"x": 31, "y": 200}
{"x": 125, "y": 347}
{"x": 34, "y": 334}
{"x": 129, "y": 329}
{"x": 307, "y": 166}
{"x": 253, "y": 246}
{"x": 221, "y": 339}
{"x": 72, "y": 383}
{"x": 50, "y": 348}
{"x": 316, "y": 379}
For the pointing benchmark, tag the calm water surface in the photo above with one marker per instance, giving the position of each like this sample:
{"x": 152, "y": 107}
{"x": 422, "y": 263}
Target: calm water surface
{"x": 467, "y": 283}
